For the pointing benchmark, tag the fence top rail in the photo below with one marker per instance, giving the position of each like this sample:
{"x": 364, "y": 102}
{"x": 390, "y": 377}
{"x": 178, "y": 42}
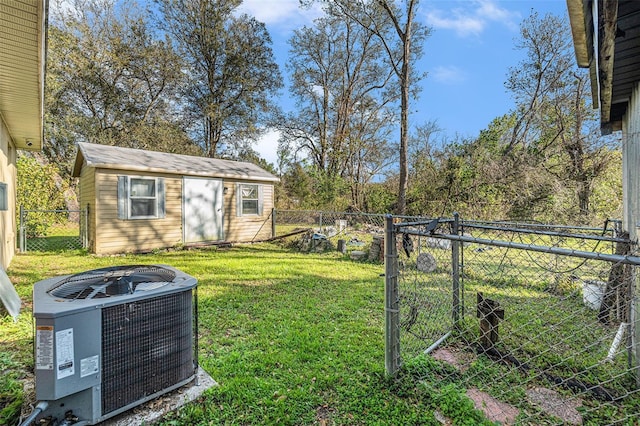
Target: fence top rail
{"x": 336, "y": 213}
{"x": 593, "y": 255}
{"x": 540, "y": 225}
{"x": 548, "y": 233}
{"x": 424, "y": 222}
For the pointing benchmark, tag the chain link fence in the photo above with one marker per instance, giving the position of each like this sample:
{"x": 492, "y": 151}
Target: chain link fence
{"x": 536, "y": 322}
{"x": 52, "y": 230}
{"x": 358, "y": 235}
{"x": 328, "y": 223}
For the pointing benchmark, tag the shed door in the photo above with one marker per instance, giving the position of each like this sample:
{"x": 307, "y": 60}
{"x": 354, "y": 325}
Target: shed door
{"x": 201, "y": 210}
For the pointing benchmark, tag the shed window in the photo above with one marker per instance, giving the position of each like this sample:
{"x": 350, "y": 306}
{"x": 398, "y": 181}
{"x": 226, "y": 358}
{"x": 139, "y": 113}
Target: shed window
{"x": 143, "y": 198}
{"x": 140, "y": 197}
{"x": 249, "y": 199}
{"x": 4, "y": 198}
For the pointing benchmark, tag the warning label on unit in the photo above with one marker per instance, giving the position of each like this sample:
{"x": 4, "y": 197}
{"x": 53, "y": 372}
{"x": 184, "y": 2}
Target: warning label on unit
{"x": 89, "y": 366}
{"x": 64, "y": 353}
{"x": 44, "y": 347}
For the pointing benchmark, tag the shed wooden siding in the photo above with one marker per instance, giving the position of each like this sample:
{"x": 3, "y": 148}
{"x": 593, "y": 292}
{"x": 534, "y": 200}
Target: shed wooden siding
{"x": 247, "y": 228}
{"x": 7, "y": 217}
{"x": 135, "y": 235}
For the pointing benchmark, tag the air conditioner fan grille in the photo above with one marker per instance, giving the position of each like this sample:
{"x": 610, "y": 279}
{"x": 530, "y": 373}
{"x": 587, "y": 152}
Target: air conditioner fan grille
{"x": 111, "y": 281}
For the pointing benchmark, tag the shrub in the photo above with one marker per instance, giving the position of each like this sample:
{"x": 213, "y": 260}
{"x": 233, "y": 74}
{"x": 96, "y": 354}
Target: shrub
{"x": 37, "y": 190}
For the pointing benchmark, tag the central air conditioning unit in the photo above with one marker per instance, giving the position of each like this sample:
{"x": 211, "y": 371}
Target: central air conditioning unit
{"x": 109, "y": 339}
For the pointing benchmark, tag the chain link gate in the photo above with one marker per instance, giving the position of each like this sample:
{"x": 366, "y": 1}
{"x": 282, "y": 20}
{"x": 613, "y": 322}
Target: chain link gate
{"x": 52, "y": 230}
{"x": 540, "y": 318}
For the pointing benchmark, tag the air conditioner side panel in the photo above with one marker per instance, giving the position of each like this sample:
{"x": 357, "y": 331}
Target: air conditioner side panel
{"x": 67, "y": 354}
{"x": 147, "y": 348}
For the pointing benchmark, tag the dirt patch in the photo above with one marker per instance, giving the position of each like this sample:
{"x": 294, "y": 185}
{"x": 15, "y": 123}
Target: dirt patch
{"x": 28, "y": 394}
{"x": 461, "y": 360}
{"x": 324, "y": 415}
{"x": 494, "y": 410}
{"x": 551, "y": 402}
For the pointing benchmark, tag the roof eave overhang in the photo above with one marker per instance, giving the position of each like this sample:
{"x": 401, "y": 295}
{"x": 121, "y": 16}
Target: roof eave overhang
{"x": 582, "y": 33}
{"x": 607, "y": 26}
{"x": 594, "y": 49}
{"x": 579, "y": 32}
{"x": 81, "y": 163}
{"x": 77, "y": 166}
{"x": 23, "y": 38}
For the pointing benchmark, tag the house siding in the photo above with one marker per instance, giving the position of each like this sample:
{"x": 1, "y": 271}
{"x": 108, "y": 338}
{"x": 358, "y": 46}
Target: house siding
{"x": 247, "y": 228}
{"x": 114, "y": 235}
{"x": 631, "y": 193}
{"x": 631, "y": 159}
{"x": 8, "y": 176}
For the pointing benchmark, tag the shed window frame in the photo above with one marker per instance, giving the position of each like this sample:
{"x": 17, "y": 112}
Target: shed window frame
{"x": 4, "y": 197}
{"x": 127, "y": 197}
{"x": 256, "y": 197}
{"x": 135, "y": 198}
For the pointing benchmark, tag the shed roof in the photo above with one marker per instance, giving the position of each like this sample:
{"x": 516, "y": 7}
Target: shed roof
{"x": 22, "y": 60}
{"x": 606, "y": 36}
{"x": 138, "y": 160}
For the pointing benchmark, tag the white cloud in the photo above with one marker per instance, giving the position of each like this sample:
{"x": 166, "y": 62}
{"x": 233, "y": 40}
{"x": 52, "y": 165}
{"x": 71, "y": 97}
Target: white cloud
{"x": 472, "y": 18}
{"x": 267, "y": 146}
{"x": 491, "y": 11}
{"x": 286, "y": 13}
{"x": 455, "y": 20}
{"x": 448, "y": 74}
{"x": 58, "y": 8}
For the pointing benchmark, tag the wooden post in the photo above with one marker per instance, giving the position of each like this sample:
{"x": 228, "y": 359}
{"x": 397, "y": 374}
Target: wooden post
{"x": 615, "y": 300}
{"x": 490, "y": 312}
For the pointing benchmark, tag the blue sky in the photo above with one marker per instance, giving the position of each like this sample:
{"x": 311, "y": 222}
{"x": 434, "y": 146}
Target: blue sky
{"x": 467, "y": 57}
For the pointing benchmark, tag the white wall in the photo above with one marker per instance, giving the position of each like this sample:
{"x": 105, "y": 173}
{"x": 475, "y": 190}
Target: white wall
{"x": 8, "y": 176}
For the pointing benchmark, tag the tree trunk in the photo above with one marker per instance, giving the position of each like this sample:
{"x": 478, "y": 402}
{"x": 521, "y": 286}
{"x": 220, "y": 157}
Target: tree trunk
{"x": 401, "y": 207}
{"x": 584, "y": 194}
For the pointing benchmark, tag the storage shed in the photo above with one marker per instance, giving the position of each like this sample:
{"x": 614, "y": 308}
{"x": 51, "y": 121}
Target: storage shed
{"x": 141, "y": 200}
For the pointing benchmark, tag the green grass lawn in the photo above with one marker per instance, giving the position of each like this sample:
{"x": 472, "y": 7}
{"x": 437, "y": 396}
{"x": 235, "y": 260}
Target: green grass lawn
{"x": 296, "y": 338}
{"x": 291, "y": 339}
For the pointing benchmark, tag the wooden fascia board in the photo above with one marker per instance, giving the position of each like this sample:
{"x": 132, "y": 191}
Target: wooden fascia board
{"x": 607, "y": 24}
{"x": 77, "y": 166}
{"x": 581, "y": 21}
{"x": 579, "y": 32}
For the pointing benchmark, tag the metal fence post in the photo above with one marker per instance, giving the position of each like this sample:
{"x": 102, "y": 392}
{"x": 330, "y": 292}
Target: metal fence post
{"x": 22, "y": 236}
{"x": 455, "y": 265}
{"x": 391, "y": 301}
{"x": 634, "y": 324}
{"x": 273, "y": 222}
{"x": 85, "y": 227}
